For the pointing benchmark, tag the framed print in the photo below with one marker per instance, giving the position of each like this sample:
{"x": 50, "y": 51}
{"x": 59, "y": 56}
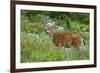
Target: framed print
{"x": 52, "y": 36}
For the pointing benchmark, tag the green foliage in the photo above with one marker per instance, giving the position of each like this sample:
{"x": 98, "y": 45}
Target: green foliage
{"x": 26, "y": 26}
{"x": 37, "y": 45}
{"x": 33, "y": 45}
{"x": 79, "y": 26}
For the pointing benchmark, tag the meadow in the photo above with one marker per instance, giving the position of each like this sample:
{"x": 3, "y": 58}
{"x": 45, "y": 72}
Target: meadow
{"x": 37, "y": 45}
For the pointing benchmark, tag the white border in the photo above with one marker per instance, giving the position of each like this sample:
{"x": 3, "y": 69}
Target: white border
{"x": 59, "y": 63}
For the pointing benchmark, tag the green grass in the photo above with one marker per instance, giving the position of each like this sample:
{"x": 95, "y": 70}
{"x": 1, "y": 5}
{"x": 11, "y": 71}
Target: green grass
{"x": 40, "y": 48}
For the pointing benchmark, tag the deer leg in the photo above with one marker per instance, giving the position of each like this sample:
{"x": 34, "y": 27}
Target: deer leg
{"x": 62, "y": 47}
{"x": 79, "y": 51}
{"x": 64, "y": 51}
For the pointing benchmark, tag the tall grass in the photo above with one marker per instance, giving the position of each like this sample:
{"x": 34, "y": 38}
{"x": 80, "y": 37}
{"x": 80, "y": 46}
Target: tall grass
{"x": 40, "y": 48}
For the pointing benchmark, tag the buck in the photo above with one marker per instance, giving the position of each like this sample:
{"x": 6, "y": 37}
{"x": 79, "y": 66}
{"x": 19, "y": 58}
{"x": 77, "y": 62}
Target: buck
{"x": 67, "y": 40}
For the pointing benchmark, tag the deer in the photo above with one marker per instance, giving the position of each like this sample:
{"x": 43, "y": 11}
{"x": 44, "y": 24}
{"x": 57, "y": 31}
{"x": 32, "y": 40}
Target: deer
{"x": 67, "y": 40}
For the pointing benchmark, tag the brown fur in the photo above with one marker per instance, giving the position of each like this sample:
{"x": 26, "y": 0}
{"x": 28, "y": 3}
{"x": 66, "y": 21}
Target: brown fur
{"x": 67, "y": 39}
